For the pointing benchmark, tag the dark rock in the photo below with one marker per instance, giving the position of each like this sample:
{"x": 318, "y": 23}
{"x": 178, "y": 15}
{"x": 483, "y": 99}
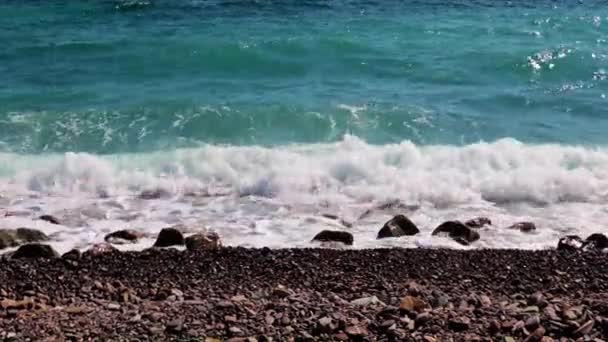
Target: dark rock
{"x": 570, "y": 243}
{"x": 50, "y": 218}
{"x": 175, "y": 326}
{"x": 203, "y": 241}
{"x": 169, "y": 237}
{"x": 524, "y": 226}
{"x": 398, "y": 226}
{"x": 459, "y": 324}
{"x": 35, "y": 250}
{"x": 335, "y": 235}
{"x": 478, "y": 222}
{"x": 457, "y": 231}
{"x": 74, "y": 254}
{"x": 122, "y": 236}
{"x": 154, "y": 194}
{"x": 596, "y": 241}
{"x": 15, "y": 237}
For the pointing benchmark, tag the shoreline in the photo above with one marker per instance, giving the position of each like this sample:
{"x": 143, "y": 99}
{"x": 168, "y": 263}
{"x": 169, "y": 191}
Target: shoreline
{"x": 312, "y": 294}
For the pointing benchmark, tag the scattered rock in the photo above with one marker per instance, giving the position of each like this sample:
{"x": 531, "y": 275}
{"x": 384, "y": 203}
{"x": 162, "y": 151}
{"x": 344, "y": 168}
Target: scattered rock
{"x": 366, "y": 301}
{"x": 335, "y": 236}
{"x": 35, "y": 251}
{"x": 596, "y": 241}
{"x": 325, "y": 326}
{"x": 398, "y": 226}
{"x": 123, "y": 236}
{"x": 356, "y": 331}
{"x": 585, "y": 329}
{"x": 570, "y": 243}
{"x": 523, "y": 226}
{"x": 459, "y": 324}
{"x": 203, "y": 241}
{"x": 478, "y": 222}
{"x": 175, "y": 326}
{"x": 457, "y": 231}
{"x": 50, "y": 219}
{"x": 169, "y": 237}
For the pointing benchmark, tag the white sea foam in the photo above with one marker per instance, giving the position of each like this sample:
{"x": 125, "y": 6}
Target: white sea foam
{"x": 258, "y": 196}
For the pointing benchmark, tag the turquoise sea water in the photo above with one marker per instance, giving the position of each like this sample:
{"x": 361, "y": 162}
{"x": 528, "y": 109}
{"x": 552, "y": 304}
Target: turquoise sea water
{"x": 131, "y": 76}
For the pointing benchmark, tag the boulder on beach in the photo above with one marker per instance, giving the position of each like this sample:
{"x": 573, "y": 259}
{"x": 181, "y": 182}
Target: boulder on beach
{"x": 334, "y": 236}
{"x": 478, "y": 222}
{"x": 15, "y": 237}
{"x": 398, "y": 226}
{"x": 50, "y": 219}
{"x": 35, "y": 251}
{"x": 458, "y": 231}
{"x": 596, "y": 241}
{"x": 73, "y": 254}
{"x": 123, "y": 236}
{"x": 169, "y": 237}
{"x": 524, "y": 226}
{"x": 203, "y": 241}
{"x": 570, "y": 243}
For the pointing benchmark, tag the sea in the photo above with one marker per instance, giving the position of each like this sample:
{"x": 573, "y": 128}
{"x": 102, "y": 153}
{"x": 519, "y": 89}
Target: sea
{"x": 271, "y": 120}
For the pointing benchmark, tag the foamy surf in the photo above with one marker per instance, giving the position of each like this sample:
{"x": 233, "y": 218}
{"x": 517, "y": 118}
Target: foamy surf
{"x": 280, "y": 196}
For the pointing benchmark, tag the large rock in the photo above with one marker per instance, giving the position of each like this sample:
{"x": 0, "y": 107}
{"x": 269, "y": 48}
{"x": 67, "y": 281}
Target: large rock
{"x": 458, "y": 231}
{"x": 398, "y": 226}
{"x": 334, "y": 236}
{"x": 596, "y": 241}
{"x": 203, "y": 241}
{"x": 524, "y": 226}
{"x": 570, "y": 243}
{"x": 35, "y": 250}
{"x": 169, "y": 237}
{"x": 15, "y": 237}
{"x": 478, "y": 222}
{"x": 123, "y": 236}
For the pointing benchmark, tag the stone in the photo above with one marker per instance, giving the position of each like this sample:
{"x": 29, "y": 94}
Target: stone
{"x": 334, "y": 236}
{"x": 113, "y": 306}
{"x": 412, "y": 304}
{"x": 398, "y": 226}
{"x": 366, "y": 301}
{"x": 422, "y": 318}
{"x": 532, "y": 322}
{"x": 536, "y": 335}
{"x": 169, "y": 237}
{"x": 356, "y": 331}
{"x": 459, "y": 324}
{"x": 281, "y": 291}
{"x": 15, "y": 237}
{"x": 570, "y": 243}
{"x": 35, "y": 251}
{"x": 50, "y": 219}
{"x": 458, "y": 231}
{"x": 123, "y": 236}
{"x": 154, "y": 194}
{"x": 596, "y": 241}
{"x": 523, "y": 226}
{"x": 586, "y": 328}
{"x": 478, "y": 222}
{"x": 174, "y": 326}
{"x": 325, "y": 326}
{"x": 100, "y": 249}
{"x": 203, "y": 241}
{"x": 73, "y": 254}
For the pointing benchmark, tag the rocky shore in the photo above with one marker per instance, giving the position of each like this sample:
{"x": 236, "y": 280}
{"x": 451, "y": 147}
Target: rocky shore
{"x": 238, "y": 294}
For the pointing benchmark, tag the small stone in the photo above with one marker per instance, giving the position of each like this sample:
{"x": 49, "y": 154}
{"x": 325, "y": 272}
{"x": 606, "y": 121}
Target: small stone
{"x": 412, "y": 304}
{"x": 531, "y": 309}
{"x": 281, "y": 292}
{"x": 495, "y": 326}
{"x": 423, "y": 318}
{"x": 366, "y": 301}
{"x": 235, "y": 331}
{"x": 355, "y": 331}
{"x": 509, "y": 339}
{"x": 325, "y": 326}
{"x": 238, "y": 298}
{"x": 532, "y": 322}
{"x": 175, "y": 326}
{"x": 113, "y": 306}
{"x": 341, "y": 337}
{"x": 459, "y": 324}
{"x": 586, "y": 328}
{"x": 536, "y": 335}
{"x": 485, "y": 301}
{"x": 569, "y": 314}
